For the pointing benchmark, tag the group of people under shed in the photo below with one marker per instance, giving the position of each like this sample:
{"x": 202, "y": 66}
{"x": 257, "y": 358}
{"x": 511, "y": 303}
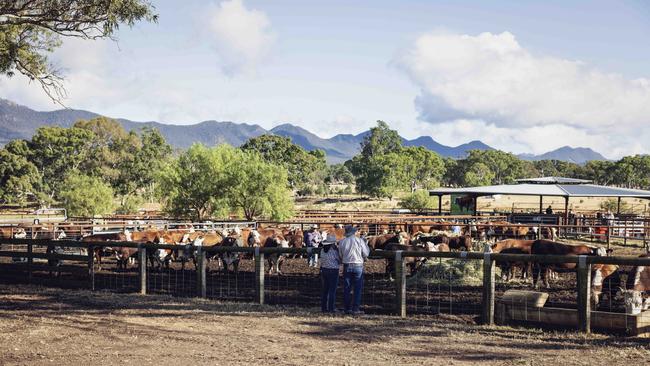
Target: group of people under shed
{"x": 351, "y": 252}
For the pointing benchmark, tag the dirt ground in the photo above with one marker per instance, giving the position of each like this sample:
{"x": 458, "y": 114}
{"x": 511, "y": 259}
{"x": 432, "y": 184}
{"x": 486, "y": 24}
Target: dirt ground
{"x": 62, "y": 327}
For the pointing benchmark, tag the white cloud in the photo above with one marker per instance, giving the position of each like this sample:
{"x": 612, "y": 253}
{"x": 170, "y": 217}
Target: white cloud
{"x": 242, "y": 38}
{"x": 539, "y": 102}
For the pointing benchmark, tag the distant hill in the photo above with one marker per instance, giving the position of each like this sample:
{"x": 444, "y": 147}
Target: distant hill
{"x": 578, "y": 155}
{"x": 20, "y": 122}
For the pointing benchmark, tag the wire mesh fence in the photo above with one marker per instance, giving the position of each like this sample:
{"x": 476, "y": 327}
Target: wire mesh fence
{"x": 446, "y": 286}
{"x": 463, "y": 284}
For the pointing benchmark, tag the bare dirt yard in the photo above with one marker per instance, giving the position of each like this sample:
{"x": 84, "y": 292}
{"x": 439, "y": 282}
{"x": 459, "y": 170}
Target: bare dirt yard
{"x": 42, "y": 326}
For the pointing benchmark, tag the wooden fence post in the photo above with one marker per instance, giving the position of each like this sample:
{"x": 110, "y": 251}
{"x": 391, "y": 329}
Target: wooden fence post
{"x": 200, "y": 278}
{"x": 400, "y": 284}
{"x": 259, "y": 276}
{"x": 142, "y": 259}
{"x": 488, "y": 289}
{"x": 91, "y": 267}
{"x": 584, "y": 295}
{"x": 30, "y": 261}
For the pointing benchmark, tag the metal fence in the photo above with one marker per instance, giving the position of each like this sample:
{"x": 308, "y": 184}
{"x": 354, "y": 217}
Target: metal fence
{"x": 457, "y": 283}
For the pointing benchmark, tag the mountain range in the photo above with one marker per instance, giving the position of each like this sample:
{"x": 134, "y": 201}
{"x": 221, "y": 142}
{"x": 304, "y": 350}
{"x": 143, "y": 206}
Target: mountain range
{"x": 20, "y": 122}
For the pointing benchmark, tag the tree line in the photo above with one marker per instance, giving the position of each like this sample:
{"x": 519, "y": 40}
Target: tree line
{"x": 96, "y": 167}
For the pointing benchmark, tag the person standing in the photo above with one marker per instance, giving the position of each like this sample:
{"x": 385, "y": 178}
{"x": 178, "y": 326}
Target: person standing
{"x": 313, "y": 239}
{"x": 353, "y": 251}
{"x": 329, "y": 273}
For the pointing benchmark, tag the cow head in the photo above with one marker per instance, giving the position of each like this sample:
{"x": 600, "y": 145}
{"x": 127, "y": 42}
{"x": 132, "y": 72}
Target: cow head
{"x": 61, "y": 235}
{"x": 235, "y": 231}
{"x": 601, "y": 252}
{"x": 127, "y": 235}
{"x": 633, "y": 301}
{"x": 20, "y": 233}
{"x": 198, "y": 241}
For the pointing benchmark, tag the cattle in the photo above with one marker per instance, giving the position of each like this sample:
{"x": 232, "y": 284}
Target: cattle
{"x": 99, "y": 250}
{"x": 275, "y": 260}
{"x": 636, "y": 294}
{"x": 604, "y": 277}
{"x": 524, "y": 245}
{"x": 547, "y": 247}
{"x": 231, "y": 258}
{"x": 381, "y": 241}
{"x": 508, "y": 267}
{"x": 463, "y": 243}
{"x": 413, "y": 263}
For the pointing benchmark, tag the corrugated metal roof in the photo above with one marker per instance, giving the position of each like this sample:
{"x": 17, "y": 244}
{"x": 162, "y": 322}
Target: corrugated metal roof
{"x": 553, "y": 180}
{"x": 529, "y": 189}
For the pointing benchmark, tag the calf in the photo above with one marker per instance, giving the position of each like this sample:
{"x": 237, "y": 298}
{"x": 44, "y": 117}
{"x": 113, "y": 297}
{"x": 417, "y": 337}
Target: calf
{"x": 381, "y": 241}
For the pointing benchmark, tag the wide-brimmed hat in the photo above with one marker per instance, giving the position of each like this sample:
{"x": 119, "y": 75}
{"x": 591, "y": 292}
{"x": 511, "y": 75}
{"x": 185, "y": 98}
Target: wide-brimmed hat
{"x": 350, "y": 230}
{"x": 330, "y": 239}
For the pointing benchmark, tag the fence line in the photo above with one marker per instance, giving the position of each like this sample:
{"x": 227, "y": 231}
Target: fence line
{"x": 262, "y": 288}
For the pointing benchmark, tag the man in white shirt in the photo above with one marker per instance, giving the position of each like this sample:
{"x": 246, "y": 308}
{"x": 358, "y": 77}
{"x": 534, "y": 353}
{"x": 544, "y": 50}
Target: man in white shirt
{"x": 353, "y": 251}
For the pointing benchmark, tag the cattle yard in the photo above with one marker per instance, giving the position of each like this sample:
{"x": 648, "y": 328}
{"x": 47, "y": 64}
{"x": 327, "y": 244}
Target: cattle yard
{"x": 464, "y": 284}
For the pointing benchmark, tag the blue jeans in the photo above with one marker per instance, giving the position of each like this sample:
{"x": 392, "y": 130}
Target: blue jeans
{"x": 330, "y": 281}
{"x": 353, "y": 278}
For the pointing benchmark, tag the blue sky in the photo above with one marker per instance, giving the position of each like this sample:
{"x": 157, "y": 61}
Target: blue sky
{"x": 522, "y": 76}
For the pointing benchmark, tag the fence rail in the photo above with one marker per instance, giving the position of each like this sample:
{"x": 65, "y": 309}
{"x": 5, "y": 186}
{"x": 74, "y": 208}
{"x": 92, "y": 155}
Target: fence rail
{"x": 439, "y": 286}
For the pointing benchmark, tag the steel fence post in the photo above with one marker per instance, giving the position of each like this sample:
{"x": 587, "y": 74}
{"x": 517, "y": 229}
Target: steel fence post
{"x": 584, "y": 294}
{"x": 259, "y": 276}
{"x": 91, "y": 267}
{"x": 201, "y": 269}
{"x": 488, "y": 289}
{"x": 142, "y": 265}
{"x": 400, "y": 284}
{"x": 30, "y": 260}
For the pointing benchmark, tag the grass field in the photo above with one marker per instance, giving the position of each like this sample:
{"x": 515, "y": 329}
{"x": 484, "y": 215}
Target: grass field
{"x": 62, "y": 327}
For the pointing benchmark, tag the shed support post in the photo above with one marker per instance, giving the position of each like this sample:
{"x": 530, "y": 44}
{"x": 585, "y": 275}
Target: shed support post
{"x": 400, "y": 283}
{"x": 259, "y": 276}
{"x": 142, "y": 264}
{"x": 200, "y": 276}
{"x": 91, "y": 267}
{"x": 488, "y": 289}
{"x": 618, "y": 206}
{"x": 439, "y": 204}
{"x": 584, "y": 295}
{"x": 541, "y": 204}
{"x": 566, "y": 214}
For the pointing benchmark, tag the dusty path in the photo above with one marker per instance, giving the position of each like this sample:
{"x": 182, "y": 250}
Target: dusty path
{"x": 55, "y": 327}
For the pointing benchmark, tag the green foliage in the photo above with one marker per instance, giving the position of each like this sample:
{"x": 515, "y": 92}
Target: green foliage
{"x": 207, "y": 182}
{"x": 339, "y": 173}
{"x": 194, "y": 185}
{"x": 493, "y": 167}
{"x": 611, "y": 204}
{"x": 478, "y": 174}
{"x": 130, "y": 204}
{"x": 19, "y": 178}
{"x": 418, "y": 201}
{"x": 303, "y": 167}
{"x": 55, "y": 151}
{"x": 86, "y": 196}
{"x": 258, "y": 188}
{"x": 381, "y": 140}
{"x": 31, "y": 30}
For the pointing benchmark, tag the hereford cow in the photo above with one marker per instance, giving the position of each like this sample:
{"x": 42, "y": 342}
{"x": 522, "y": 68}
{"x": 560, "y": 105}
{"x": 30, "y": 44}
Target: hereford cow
{"x": 508, "y": 267}
{"x": 231, "y": 258}
{"x": 547, "y": 247}
{"x": 636, "y": 294}
{"x": 275, "y": 260}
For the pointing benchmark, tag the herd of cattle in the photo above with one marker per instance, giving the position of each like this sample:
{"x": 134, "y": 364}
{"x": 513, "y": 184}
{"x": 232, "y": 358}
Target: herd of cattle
{"x": 439, "y": 237}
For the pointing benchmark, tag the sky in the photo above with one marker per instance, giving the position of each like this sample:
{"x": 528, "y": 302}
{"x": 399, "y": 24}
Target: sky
{"x": 521, "y": 76}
